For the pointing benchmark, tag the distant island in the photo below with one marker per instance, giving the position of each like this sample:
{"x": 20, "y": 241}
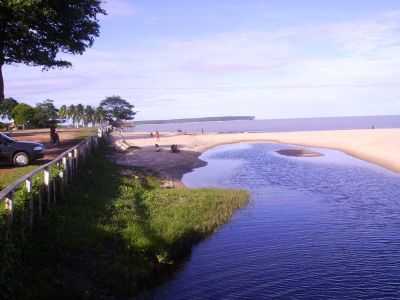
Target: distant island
{"x": 188, "y": 120}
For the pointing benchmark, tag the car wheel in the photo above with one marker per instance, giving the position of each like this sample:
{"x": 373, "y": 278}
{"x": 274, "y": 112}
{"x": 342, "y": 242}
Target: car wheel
{"x": 21, "y": 159}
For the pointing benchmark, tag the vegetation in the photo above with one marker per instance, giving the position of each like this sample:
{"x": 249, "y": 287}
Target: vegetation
{"x": 23, "y": 115}
{"x": 35, "y": 32}
{"x": 113, "y": 109}
{"x": 116, "y": 109}
{"x": 113, "y": 236}
{"x": 82, "y": 116}
{"x": 6, "y": 107}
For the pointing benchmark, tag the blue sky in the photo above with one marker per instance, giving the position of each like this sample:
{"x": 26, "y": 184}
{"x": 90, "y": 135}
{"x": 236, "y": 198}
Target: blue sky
{"x": 271, "y": 59}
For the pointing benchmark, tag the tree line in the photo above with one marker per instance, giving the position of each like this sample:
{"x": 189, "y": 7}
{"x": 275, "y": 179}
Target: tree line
{"x": 112, "y": 110}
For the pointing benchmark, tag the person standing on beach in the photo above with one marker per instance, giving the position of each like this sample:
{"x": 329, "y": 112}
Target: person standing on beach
{"x": 157, "y": 136}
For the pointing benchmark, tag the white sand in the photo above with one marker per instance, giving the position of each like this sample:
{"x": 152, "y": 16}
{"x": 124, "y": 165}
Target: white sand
{"x": 379, "y": 146}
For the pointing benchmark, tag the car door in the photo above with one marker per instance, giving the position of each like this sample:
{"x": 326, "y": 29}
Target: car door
{"x": 6, "y": 149}
{"x": 2, "y": 149}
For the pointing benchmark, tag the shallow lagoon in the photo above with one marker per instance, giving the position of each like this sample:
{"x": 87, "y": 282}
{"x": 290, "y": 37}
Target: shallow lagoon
{"x": 316, "y": 228}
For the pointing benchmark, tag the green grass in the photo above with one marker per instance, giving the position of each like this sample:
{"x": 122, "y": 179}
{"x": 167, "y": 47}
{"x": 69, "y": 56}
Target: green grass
{"x": 116, "y": 235}
{"x": 9, "y": 176}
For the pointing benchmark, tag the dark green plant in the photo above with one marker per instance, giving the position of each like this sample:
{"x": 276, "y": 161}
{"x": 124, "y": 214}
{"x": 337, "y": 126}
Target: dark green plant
{"x": 23, "y": 115}
{"x": 45, "y": 112}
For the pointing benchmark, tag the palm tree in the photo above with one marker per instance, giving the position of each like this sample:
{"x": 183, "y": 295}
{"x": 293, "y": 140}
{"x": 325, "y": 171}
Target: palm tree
{"x": 89, "y": 115}
{"x": 99, "y": 116}
{"x": 63, "y": 112}
{"x": 80, "y": 113}
{"x": 71, "y": 112}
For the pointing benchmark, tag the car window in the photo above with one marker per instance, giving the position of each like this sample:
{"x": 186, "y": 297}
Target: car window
{"x": 5, "y": 138}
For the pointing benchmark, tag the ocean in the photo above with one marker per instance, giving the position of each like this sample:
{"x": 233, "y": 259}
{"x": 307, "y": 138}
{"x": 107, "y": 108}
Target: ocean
{"x": 278, "y": 125}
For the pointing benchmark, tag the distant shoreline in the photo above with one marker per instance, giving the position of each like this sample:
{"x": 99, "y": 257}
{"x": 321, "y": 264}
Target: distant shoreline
{"x": 379, "y": 147}
{"x": 194, "y": 120}
{"x": 268, "y": 125}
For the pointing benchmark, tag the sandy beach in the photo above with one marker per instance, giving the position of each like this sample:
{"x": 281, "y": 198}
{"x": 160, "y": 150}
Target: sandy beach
{"x": 378, "y": 146}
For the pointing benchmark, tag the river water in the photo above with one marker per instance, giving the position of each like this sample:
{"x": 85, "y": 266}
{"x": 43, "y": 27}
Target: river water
{"x": 315, "y": 228}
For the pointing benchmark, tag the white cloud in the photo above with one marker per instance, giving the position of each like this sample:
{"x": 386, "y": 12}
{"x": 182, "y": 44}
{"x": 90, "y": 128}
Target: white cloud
{"x": 273, "y": 74}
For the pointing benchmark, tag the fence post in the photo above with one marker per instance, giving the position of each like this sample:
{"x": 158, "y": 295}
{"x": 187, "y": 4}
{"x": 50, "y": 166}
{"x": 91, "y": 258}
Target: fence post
{"x": 76, "y": 156}
{"x": 71, "y": 166}
{"x": 65, "y": 170}
{"x": 46, "y": 177}
{"x": 28, "y": 185}
{"x": 54, "y": 188}
{"x": 9, "y": 206}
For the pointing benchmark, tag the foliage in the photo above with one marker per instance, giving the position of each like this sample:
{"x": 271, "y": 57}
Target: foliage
{"x": 23, "y": 114}
{"x": 34, "y": 32}
{"x": 44, "y": 113}
{"x": 117, "y": 109}
{"x": 6, "y": 107}
{"x": 116, "y": 235}
{"x": 99, "y": 115}
{"x": 63, "y": 112}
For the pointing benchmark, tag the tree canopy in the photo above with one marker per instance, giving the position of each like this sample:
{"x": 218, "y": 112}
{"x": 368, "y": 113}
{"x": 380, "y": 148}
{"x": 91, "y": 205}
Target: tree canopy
{"x": 44, "y": 113}
{"x": 116, "y": 109}
{"x": 34, "y": 32}
{"x": 6, "y": 107}
{"x": 23, "y": 114}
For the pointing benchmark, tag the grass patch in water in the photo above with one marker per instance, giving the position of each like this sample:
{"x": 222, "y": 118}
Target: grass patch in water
{"x": 114, "y": 235}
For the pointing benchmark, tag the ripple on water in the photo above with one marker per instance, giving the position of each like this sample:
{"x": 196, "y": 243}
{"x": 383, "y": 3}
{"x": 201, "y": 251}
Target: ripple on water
{"x": 316, "y": 228}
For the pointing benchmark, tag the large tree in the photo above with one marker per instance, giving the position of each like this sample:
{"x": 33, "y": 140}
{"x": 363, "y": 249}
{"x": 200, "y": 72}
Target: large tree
{"x": 45, "y": 112}
{"x": 34, "y": 32}
{"x": 116, "y": 109}
{"x": 23, "y": 114}
{"x": 6, "y": 107}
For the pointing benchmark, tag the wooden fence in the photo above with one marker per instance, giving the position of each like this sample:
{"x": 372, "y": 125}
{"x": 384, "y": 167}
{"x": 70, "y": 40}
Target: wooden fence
{"x": 54, "y": 178}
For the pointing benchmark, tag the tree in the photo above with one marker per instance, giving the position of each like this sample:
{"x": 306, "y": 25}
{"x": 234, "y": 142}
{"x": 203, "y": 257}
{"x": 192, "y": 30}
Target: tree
{"x": 34, "y": 32}
{"x": 72, "y": 113}
{"x": 6, "y": 107}
{"x": 88, "y": 115}
{"x": 45, "y": 112}
{"x": 63, "y": 112}
{"x": 116, "y": 109}
{"x": 99, "y": 115}
{"x": 23, "y": 114}
{"x": 80, "y": 112}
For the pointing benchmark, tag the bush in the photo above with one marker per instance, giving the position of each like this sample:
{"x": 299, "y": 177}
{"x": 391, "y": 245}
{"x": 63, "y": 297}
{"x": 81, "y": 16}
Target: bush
{"x": 113, "y": 235}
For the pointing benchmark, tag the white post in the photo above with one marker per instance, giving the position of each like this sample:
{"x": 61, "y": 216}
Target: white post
{"x": 66, "y": 170}
{"x": 71, "y": 166}
{"x": 76, "y": 156}
{"x": 46, "y": 177}
{"x": 28, "y": 185}
{"x": 9, "y": 206}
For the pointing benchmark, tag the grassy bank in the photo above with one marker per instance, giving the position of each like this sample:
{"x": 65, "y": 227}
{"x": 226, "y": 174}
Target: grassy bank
{"x": 116, "y": 235}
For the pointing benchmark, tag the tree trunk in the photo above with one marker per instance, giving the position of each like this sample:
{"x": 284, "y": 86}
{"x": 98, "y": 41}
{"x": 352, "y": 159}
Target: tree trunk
{"x": 1, "y": 84}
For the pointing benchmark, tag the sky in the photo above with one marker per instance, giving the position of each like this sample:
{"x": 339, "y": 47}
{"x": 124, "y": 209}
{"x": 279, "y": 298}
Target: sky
{"x": 265, "y": 58}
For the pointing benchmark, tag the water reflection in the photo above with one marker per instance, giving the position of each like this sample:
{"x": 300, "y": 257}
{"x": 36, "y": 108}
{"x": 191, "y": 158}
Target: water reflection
{"x": 316, "y": 228}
